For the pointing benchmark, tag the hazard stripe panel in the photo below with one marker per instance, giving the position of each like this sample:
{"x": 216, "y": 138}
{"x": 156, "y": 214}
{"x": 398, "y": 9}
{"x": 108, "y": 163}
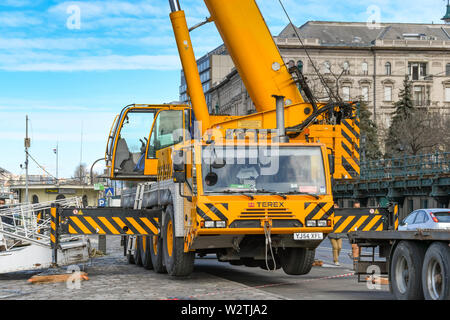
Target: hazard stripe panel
{"x": 212, "y": 211}
{"x": 318, "y": 210}
{"x": 349, "y": 151}
{"x": 349, "y": 220}
{"x": 110, "y": 221}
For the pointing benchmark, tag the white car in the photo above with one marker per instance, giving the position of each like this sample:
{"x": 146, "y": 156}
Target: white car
{"x": 426, "y": 219}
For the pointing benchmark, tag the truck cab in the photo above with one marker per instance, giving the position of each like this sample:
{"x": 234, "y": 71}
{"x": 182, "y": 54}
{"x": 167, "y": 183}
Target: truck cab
{"x": 138, "y": 133}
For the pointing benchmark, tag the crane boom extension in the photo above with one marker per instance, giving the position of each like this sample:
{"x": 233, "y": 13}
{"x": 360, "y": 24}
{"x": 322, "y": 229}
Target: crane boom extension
{"x": 254, "y": 52}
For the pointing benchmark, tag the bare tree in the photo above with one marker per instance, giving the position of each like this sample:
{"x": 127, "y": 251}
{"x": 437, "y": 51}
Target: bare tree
{"x": 420, "y": 133}
{"x": 81, "y": 173}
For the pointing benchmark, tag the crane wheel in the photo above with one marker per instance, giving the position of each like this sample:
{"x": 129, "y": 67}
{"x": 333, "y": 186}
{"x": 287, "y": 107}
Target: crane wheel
{"x": 436, "y": 272}
{"x": 155, "y": 249}
{"x": 137, "y": 252}
{"x": 144, "y": 248}
{"x": 297, "y": 261}
{"x": 406, "y": 271}
{"x": 178, "y": 263}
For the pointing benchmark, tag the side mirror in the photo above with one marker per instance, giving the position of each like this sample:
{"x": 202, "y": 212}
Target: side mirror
{"x": 211, "y": 179}
{"x": 331, "y": 163}
{"x": 219, "y": 164}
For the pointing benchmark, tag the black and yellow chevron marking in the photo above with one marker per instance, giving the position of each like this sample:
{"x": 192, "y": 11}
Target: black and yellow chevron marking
{"x": 53, "y": 226}
{"x": 212, "y": 212}
{"x": 112, "y": 225}
{"x": 318, "y": 210}
{"x": 349, "y": 223}
{"x": 109, "y": 221}
{"x": 349, "y": 148}
{"x": 396, "y": 217}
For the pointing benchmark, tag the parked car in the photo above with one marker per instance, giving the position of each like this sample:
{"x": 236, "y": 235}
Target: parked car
{"x": 426, "y": 219}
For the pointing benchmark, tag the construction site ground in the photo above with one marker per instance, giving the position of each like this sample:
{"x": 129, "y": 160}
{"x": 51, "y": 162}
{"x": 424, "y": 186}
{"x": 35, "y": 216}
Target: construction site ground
{"x": 111, "y": 277}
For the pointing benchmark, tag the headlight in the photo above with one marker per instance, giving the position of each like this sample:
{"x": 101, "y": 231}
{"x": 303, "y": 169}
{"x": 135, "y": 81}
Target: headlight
{"x": 322, "y": 223}
{"x": 209, "y": 224}
{"x": 221, "y": 224}
{"x": 311, "y": 223}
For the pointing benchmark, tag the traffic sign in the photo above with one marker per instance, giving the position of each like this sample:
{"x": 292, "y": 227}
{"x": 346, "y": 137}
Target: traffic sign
{"x": 99, "y": 187}
{"x": 109, "y": 192}
{"x": 102, "y": 202}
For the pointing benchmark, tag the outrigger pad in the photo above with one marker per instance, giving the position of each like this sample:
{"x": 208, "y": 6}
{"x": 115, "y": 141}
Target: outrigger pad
{"x": 109, "y": 221}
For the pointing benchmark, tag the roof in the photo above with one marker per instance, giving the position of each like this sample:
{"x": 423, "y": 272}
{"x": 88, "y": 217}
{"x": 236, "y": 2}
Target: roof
{"x": 52, "y": 186}
{"x": 360, "y": 34}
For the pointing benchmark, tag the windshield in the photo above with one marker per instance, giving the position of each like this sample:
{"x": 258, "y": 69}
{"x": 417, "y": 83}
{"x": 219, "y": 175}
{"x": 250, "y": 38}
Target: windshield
{"x": 442, "y": 216}
{"x": 284, "y": 170}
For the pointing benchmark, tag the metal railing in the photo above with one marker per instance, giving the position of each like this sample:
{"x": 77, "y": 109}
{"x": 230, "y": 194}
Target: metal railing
{"x": 29, "y": 223}
{"x": 408, "y": 166}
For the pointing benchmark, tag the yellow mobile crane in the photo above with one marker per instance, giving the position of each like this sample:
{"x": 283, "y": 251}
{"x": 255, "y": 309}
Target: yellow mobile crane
{"x": 255, "y": 190}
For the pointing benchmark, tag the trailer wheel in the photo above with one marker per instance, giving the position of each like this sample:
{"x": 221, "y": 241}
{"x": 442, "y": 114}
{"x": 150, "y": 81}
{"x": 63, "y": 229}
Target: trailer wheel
{"x": 406, "y": 271}
{"x": 297, "y": 261}
{"x": 144, "y": 249}
{"x": 436, "y": 272}
{"x": 156, "y": 254}
{"x": 178, "y": 263}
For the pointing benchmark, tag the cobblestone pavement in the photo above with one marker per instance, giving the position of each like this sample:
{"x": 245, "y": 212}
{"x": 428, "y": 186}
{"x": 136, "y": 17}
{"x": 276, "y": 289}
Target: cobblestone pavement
{"x": 111, "y": 277}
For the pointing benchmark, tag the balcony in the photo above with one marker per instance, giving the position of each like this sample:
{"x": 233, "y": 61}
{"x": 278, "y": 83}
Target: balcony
{"x": 421, "y": 103}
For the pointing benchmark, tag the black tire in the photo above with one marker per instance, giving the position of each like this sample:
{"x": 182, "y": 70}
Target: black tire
{"x": 137, "y": 252}
{"x": 406, "y": 271}
{"x": 178, "y": 263}
{"x": 250, "y": 262}
{"x": 156, "y": 254}
{"x": 436, "y": 272}
{"x": 144, "y": 249}
{"x": 297, "y": 261}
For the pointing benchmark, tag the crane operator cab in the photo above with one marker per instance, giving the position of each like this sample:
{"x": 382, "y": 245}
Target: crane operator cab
{"x": 138, "y": 133}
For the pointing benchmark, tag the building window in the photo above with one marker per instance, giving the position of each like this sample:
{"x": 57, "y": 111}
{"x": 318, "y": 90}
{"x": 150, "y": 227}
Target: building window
{"x": 447, "y": 70}
{"x": 365, "y": 93}
{"x": 60, "y": 197}
{"x": 327, "y": 67}
{"x": 417, "y": 70}
{"x": 35, "y": 199}
{"x": 346, "y": 68}
{"x": 424, "y": 203}
{"x": 346, "y": 93}
{"x": 419, "y": 96}
{"x": 365, "y": 68}
{"x": 388, "y": 67}
{"x": 447, "y": 94}
{"x": 388, "y": 93}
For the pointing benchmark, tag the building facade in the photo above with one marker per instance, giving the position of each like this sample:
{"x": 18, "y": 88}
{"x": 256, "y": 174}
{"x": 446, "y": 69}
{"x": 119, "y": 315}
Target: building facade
{"x": 213, "y": 68}
{"x": 359, "y": 61}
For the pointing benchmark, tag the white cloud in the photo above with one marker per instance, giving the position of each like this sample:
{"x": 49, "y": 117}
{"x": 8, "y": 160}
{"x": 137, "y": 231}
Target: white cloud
{"x": 47, "y": 62}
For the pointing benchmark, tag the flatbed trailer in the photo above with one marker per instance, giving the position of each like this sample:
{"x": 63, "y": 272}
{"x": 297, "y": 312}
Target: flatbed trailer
{"x": 417, "y": 262}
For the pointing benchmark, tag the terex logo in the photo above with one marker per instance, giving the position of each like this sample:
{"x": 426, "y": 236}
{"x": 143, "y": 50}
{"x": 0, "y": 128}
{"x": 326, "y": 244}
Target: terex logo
{"x": 269, "y": 204}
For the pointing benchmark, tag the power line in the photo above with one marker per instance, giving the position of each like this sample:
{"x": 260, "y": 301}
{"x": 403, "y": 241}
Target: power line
{"x": 330, "y": 92}
{"x": 41, "y": 167}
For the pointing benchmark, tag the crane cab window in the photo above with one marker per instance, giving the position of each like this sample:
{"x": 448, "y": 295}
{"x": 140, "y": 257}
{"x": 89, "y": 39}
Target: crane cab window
{"x": 132, "y": 141}
{"x": 167, "y": 131}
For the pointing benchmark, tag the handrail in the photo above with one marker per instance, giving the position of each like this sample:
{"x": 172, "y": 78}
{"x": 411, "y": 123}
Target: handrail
{"x": 407, "y": 166}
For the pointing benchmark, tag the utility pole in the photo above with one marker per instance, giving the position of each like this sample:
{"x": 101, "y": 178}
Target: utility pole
{"x": 57, "y": 162}
{"x": 27, "y": 145}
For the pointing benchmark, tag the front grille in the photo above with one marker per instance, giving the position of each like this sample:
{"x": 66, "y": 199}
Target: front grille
{"x": 263, "y": 213}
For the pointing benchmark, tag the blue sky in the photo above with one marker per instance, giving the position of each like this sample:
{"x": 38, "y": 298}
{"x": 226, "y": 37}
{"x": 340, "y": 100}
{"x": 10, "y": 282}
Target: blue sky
{"x": 67, "y": 76}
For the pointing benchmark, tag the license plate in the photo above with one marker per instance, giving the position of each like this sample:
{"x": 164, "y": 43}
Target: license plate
{"x": 308, "y": 236}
